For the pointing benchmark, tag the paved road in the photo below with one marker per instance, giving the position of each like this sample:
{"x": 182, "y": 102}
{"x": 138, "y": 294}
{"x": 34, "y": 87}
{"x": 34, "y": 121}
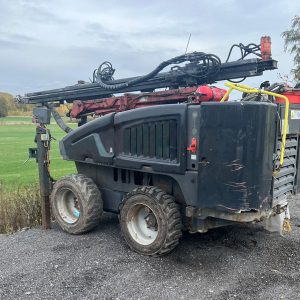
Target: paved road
{"x": 241, "y": 262}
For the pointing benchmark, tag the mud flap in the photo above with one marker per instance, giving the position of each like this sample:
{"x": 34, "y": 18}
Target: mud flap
{"x": 279, "y": 222}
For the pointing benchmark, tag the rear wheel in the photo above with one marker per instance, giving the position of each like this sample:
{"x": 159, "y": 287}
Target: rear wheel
{"x": 76, "y": 203}
{"x": 150, "y": 221}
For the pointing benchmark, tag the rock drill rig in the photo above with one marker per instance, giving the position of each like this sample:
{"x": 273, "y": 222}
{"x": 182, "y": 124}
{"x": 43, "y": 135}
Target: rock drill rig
{"x": 175, "y": 154}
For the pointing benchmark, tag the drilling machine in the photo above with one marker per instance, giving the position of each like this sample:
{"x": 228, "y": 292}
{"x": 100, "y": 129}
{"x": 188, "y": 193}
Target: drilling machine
{"x": 168, "y": 152}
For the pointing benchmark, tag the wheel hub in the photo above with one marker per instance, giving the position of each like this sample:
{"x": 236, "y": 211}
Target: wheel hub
{"x": 68, "y": 206}
{"x": 151, "y": 221}
{"x": 142, "y": 224}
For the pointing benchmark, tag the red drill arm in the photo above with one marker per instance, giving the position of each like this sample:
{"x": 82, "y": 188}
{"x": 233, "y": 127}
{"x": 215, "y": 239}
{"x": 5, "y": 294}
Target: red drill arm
{"x": 196, "y": 94}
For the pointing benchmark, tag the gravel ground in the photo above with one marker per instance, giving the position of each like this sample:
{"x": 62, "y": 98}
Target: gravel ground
{"x": 237, "y": 262}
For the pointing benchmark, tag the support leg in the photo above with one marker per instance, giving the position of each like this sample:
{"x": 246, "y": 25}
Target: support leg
{"x": 43, "y": 145}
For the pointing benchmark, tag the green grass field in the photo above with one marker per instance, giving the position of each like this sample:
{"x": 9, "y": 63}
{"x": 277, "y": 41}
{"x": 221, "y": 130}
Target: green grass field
{"x": 11, "y": 120}
{"x": 16, "y": 136}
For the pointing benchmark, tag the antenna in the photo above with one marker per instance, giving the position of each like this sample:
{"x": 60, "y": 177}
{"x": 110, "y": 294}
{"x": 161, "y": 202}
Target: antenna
{"x": 187, "y": 45}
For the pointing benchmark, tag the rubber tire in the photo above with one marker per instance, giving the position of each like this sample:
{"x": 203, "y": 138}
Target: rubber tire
{"x": 168, "y": 218}
{"x": 89, "y": 200}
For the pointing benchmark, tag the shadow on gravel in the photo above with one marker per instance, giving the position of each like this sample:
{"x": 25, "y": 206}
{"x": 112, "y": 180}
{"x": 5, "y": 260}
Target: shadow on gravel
{"x": 233, "y": 239}
{"x": 215, "y": 248}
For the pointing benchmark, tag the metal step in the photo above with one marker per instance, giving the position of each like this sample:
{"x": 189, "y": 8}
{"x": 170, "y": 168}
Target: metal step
{"x": 285, "y": 171}
{"x": 289, "y": 162}
{"x": 292, "y": 142}
{"x": 280, "y": 199}
{"x": 289, "y": 152}
{"x": 283, "y": 189}
{"x": 283, "y": 180}
{"x": 283, "y": 183}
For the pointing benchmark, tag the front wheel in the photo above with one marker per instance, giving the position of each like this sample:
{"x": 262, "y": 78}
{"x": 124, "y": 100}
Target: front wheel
{"x": 150, "y": 221}
{"x": 76, "y": 203}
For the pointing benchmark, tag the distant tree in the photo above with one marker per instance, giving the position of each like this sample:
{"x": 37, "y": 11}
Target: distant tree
{"x": 292, "y": 45}
{"x": 3, "y": 108}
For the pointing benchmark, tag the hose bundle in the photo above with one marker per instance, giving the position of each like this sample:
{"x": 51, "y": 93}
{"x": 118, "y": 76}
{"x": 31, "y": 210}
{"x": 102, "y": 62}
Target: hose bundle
{"x": 207, "y": 65}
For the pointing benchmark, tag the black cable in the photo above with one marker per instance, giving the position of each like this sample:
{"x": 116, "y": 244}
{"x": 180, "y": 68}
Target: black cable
{"x": 208, "y": 64}
{"x": 60, "y": 122}
{"x": 105, "y": 71}
{"x": 237, "y": 81}
{"x": 245, "y": 50}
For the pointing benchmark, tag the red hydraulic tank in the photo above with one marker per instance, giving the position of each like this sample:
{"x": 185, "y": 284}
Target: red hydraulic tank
{"x": 209, "y": 93}
{"x": 293, "y": 95}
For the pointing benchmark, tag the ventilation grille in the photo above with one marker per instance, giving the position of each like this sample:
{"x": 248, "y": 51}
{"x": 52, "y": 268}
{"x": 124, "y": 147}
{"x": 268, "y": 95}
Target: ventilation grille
{"x": 156, "y": 140}
{"x": 284, "y": 179}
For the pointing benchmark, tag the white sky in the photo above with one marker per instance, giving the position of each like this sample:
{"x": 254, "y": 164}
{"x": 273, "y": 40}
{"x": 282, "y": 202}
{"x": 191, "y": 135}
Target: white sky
{"x": 51, "y": 44}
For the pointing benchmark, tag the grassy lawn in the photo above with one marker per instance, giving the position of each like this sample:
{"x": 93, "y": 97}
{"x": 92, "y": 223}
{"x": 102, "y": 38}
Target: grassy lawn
{"x": 11, "y": 120}
{"x": 16, "y": 136}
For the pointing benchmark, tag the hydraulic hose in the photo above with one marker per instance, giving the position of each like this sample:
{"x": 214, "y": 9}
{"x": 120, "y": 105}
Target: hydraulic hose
{"x": 210, "y": 64}
{"x": 59, "y": 121}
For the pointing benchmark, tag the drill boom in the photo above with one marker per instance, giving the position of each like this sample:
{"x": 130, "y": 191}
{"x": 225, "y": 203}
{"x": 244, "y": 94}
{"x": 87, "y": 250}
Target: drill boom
{"x": 188, "y": 75}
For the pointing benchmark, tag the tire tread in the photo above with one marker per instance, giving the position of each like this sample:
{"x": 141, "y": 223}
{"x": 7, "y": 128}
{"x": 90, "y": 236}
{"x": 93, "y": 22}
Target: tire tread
{"x": 92, "y": 199}
{"x": 173, "y": 217}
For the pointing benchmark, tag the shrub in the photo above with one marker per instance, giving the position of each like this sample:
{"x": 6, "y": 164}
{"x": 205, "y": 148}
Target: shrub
{"x": 3, "y": 108}
{"x": 19, "y": 209}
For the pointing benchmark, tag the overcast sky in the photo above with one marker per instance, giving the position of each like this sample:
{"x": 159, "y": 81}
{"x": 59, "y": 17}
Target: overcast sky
{"x": 49, "y": 44}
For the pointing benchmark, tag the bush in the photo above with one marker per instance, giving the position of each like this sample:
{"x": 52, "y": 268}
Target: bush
{"x": 13, "y": 109}
{"x": 3, "y": 108}
{"x": 19, "y": 209}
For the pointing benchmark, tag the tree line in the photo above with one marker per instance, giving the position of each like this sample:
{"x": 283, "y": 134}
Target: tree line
{"x": 9, "y": 107}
